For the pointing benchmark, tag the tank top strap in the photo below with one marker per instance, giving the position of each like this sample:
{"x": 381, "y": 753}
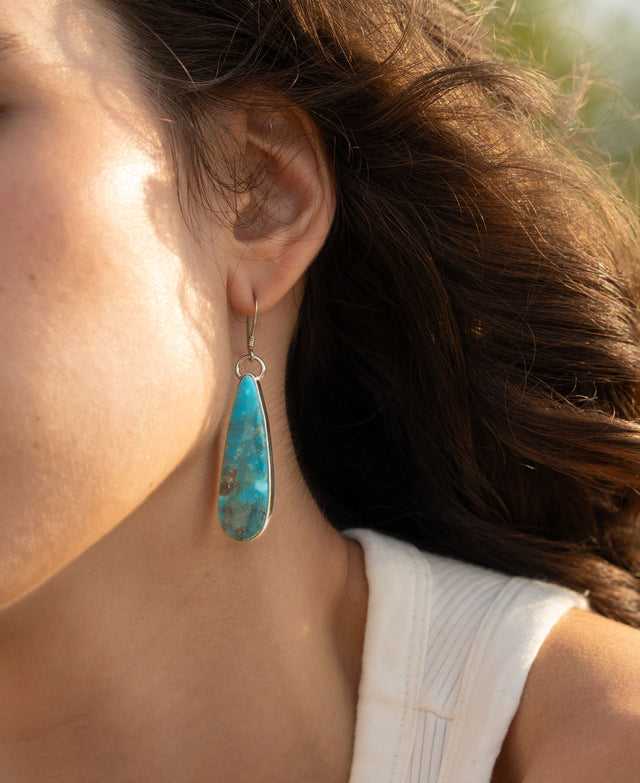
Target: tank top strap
{"x": 448, "y": 647}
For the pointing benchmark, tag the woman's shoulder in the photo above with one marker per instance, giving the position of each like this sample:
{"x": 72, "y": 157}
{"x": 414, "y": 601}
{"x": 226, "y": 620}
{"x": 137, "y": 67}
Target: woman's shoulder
{"x": 579, "y": 716}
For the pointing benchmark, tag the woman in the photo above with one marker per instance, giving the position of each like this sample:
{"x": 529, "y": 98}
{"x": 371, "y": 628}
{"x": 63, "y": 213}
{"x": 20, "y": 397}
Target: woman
{"x": 443, "y": 303}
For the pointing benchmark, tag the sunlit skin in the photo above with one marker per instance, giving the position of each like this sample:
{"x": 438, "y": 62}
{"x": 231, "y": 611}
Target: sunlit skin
{"x": 137, "y": 642}
{"x": 97, "y": 278}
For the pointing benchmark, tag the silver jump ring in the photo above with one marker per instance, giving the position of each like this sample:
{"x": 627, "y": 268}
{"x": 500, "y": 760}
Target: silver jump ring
{"x": 251, "y": 357}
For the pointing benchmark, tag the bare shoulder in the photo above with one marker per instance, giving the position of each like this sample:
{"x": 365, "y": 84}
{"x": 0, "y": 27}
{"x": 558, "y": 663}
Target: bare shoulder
{"x": 579, "y": 717}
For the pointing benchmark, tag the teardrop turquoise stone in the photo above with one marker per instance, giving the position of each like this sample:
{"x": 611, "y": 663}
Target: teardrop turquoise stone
{"x": 245, "y": 498}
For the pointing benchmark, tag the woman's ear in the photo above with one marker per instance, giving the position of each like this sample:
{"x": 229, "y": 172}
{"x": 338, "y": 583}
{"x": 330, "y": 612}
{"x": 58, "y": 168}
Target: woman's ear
{"x": 285, "y": 215}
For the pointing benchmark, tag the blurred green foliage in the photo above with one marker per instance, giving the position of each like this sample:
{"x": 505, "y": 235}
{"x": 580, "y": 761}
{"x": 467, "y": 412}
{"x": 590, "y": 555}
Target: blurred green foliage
{"x": 593, "y": 48}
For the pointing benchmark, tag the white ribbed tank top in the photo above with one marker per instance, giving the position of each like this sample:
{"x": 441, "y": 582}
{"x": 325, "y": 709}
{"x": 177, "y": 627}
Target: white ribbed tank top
{"x": 447, "y": 650}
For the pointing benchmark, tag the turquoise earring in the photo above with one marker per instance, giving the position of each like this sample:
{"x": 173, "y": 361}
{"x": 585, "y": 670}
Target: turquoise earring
{"x": 245, "y": 499}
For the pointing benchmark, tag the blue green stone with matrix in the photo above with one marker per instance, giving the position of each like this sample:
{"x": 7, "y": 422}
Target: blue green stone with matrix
{"x": 245, "y": 498}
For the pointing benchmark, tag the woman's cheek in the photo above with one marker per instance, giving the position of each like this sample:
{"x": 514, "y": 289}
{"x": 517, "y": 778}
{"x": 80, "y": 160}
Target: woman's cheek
{"x": 112, "y": 347}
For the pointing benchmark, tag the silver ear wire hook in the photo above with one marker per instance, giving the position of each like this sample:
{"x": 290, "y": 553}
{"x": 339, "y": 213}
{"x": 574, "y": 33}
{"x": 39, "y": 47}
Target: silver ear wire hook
{"x": 251, "y": 329}
{"x": 251, "y": 356}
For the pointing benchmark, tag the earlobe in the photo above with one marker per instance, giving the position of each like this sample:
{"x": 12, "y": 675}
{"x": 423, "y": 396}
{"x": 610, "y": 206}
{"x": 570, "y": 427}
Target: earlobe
{"x": 288, "y": 209}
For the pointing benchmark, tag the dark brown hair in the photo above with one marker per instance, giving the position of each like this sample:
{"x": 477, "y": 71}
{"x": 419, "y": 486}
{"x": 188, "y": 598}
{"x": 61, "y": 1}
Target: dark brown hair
{"x": 465, "y": 367}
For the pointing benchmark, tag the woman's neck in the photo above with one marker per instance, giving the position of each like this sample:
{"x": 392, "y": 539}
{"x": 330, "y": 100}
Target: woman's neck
{"x": 167, "y": 652}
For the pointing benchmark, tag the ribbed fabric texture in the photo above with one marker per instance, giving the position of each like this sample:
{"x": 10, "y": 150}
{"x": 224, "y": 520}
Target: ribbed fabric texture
{"x": 448, "y": 647}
